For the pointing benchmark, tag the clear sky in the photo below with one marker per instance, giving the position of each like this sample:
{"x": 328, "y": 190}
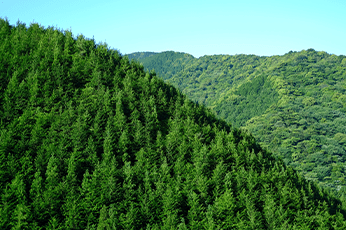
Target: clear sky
{"x": 261, "y": 27}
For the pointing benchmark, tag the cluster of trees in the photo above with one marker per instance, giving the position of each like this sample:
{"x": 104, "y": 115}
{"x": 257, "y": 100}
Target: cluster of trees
{"x": 295, "y": 104}
{"x": 89, "y": 140}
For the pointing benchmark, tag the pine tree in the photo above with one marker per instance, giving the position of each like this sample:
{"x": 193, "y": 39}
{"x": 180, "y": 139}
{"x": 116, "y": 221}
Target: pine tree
{"x": 103, "y": 220}
{"x": 53, "y": 190}
{"x": 20, "y": 219}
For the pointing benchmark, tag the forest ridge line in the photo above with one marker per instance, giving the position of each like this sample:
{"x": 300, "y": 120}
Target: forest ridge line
{"x": 294, "y": 104}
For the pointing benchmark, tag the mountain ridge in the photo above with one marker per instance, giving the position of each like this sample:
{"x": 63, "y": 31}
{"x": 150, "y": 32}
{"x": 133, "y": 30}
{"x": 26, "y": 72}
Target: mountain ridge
{"x": 250, "y": 91}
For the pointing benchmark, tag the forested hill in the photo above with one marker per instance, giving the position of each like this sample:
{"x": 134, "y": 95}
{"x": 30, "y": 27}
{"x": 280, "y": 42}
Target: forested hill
{"x": 140, "y": 55}
{"x": 89, "y": 140}
{"x": 295, "y": 104}
{"x": 166, "y": 64}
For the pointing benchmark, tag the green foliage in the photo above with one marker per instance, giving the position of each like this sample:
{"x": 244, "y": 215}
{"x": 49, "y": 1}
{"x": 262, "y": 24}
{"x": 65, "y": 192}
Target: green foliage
{"x": 92, "y": 141}
{"x": 166, "y": 64}
{"x": 140, "y": 55}
{"x": 293, "y": 104}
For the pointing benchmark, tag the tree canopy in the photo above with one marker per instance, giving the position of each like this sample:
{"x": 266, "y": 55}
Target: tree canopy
{"x": 89, "y": 140}
{"x": 294, "y": 105}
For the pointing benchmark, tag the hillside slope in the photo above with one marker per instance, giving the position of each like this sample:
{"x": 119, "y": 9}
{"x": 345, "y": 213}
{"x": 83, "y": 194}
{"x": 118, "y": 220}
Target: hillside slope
{"x": 295, "y": 104}
{"x": 90, "y": 140}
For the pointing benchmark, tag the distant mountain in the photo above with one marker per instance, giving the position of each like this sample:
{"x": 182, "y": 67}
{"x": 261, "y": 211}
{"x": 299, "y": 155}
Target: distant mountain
{"x": 295, "y": 104}
{"x": 89, "y": 140}
{"x": 175, "y": 61}
{"x": 140, "y": 55}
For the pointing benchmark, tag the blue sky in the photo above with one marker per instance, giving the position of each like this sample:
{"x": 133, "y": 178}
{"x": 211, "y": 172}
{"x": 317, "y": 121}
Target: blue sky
{"x": 265, "y": 27}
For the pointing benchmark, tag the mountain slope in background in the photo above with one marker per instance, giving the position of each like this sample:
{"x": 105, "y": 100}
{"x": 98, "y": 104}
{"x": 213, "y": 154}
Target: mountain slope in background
{"x": 295, "y": 104}
{"x": 90, "y": 140}
{"x": 140, "y": 55}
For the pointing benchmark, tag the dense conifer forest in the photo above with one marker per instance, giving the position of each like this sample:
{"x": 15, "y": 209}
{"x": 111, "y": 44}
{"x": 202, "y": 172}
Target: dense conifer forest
{"x": 294, "y": 105}
{"x": 90, "y": 140}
